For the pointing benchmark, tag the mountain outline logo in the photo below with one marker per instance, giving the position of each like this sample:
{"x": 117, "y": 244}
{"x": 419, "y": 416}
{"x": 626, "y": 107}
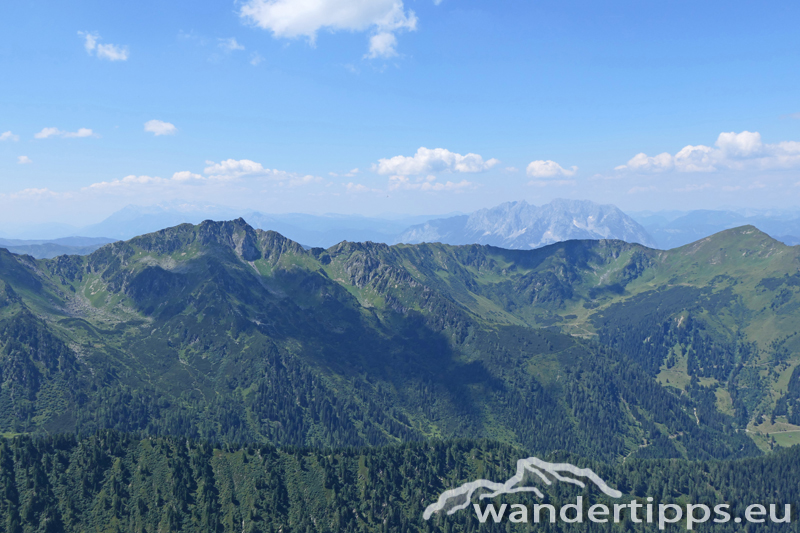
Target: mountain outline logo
{"x": 532, "y": 465}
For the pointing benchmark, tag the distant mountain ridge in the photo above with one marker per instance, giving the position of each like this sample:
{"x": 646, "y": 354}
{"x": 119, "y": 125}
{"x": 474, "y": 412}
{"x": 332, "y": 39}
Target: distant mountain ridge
{"x": 512, "y": 225}
{"x": 674, "y": 229}
{"x": 48, "y": 249}
{"x": 309, "y": 230}
{"x": 520, "y": 225}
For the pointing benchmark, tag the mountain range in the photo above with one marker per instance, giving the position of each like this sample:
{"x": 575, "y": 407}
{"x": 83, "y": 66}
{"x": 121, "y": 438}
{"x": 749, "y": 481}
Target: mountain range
{"x": 512, "y": 225}
{"x": 221, "y": 331}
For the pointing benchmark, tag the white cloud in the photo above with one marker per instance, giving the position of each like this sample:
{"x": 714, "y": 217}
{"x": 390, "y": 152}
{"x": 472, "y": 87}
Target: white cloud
{"x": 745, "y": 144}
{"x": 34, "y": 194}
{"x": 55, "y": 132}
{"x": 304, "y": 18}
{"x": 90, "y": 41}
{"x": 428, "y": 183}
{"x": 358, "y": 187}
{"x": 222, "y": 174}
{"x": 8, "y": 136}
{"x": 186, "y": 176}
{"x": 350, "y": 174}
{"x": 795, "y": 116}
{"x": 548, "y": 169}
{"x": 256, "y": 59}
{"x": 159, "y": 127}
{"x": 641, "y": 162}
{"x": 426, "y": 161}
{"x": 126, "y": 182}
{"x": 111, "y": 52}
{"x": 230, "y": 44}
{"x": 383, "y": 45}
{"x": 48, "y": 132}
{"x": 24, "y": 160}
{"x": 232, "y": 169}
{"x": 732, "y": 151}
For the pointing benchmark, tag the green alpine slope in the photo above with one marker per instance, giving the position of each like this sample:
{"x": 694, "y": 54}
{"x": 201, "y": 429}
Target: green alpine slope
{"x": 226, "y": 333}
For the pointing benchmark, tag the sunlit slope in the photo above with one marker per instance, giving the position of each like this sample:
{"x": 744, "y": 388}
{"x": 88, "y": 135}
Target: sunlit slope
{"x": 224, "y": 332}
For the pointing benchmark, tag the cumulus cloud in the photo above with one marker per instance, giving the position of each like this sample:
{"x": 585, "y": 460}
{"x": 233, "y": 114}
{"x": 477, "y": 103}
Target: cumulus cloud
{"x": 55, "y": 132}
{"x": 24, "y": 160}
{"x": 426, "y": 161}
{"x": 186, "y": 176}
{"x": 304, "y": 18}
{"x": 731, "y": 151}
{"x": 548, "y": 169}
{"x": 428, "y": 183}
{"x": 230, "y": 44}
{"x": 8, "y": 136}
{"x": 110, "y": 52}
{"x": 232, "y": 169}
{"x": 159, "y": 127}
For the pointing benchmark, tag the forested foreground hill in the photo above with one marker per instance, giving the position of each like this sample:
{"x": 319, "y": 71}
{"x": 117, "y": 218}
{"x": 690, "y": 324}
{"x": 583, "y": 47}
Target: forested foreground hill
{"x": 114, "y": 483}
{"x": 225, "y": 333}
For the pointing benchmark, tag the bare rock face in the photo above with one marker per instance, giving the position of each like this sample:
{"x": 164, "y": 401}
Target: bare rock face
{"x": 520, "y": 225}
{"x": 236, "y": 234}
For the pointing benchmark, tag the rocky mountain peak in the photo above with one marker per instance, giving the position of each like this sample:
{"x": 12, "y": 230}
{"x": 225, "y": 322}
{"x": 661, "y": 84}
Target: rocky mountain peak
{"x": 520, "y": 225}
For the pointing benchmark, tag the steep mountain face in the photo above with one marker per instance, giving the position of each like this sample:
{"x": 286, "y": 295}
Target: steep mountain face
{"x": 223, "y": 332}
{"x": 519, "y": 225}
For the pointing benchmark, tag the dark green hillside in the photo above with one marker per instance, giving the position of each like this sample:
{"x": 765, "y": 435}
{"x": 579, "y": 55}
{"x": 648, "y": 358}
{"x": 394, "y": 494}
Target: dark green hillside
{"x": 111, "y": 482}
{"x": 230, "y": 334}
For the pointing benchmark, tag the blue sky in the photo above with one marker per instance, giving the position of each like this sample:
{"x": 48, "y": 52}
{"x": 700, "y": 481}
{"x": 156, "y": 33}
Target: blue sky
{"x": 441, "y": 106}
